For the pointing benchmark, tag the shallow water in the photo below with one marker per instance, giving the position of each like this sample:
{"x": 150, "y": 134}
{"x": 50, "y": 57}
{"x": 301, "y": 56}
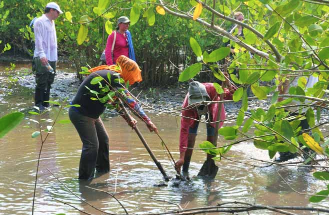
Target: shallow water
{"x": 134, "y": 178}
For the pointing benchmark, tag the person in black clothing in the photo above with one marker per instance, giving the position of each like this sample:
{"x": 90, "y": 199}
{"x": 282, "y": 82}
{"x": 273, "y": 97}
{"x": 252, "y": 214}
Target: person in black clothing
{"x": 87, "y": 121}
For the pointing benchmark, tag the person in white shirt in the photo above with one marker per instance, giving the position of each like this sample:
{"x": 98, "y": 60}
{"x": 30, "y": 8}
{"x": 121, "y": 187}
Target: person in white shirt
{"x": 45, "y": 54}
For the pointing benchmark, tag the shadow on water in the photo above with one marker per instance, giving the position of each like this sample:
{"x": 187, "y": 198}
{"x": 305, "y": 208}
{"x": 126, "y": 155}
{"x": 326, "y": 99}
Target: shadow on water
{"x": 133, "y": 179}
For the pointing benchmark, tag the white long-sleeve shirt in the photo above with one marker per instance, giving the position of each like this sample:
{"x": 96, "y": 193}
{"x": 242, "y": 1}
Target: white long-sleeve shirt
{"x": 45, "y": 38}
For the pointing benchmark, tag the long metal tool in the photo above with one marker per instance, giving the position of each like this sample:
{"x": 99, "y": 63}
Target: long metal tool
{"x": 157, "y": 163}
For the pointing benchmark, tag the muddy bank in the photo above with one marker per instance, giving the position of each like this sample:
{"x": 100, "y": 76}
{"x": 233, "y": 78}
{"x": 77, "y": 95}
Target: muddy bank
{"x": 156, "y": 100}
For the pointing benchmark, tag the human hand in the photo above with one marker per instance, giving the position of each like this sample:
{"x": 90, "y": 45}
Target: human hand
{"x": 44, "y": 61}
{"x": 152, "y": 127}
{"x": 179, "y": 164}
{"x": 132, "y": 123}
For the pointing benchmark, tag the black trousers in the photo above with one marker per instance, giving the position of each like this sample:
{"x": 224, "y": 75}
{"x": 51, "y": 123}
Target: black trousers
{"x": 43, "y": 79}
{"x": 95, "y": 144}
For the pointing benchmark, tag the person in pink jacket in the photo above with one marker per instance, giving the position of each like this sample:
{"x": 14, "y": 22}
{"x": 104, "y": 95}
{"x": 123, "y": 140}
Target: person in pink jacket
{"x": 119, "y": 42}
{"x": 191, "y": 114}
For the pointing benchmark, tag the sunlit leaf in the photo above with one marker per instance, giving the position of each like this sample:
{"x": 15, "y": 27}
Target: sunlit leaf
{"x": 240, "y": 118}
{"x": 108, "y": 27}
{"x": 229, "y": 133}
{"x": 64, "y": 121}
{"x": 35, "y": 134}
{"x": 190, "y": 72}
{"x": 134, "y": 15}
{"x": 247, "y": 125}
{"x": 219, "y": 54}
{"x": 84, "y": 19}
{"x": 96, "y": 80}
{"x": 197, "y": 11}
{"x": 151, "y": 17}
{"x": 218, "y": 88}
{"x": 160, "y": 10}
{"x": 195, "y": 47}
{"x": 9, "y": 122}
{"x": 68, "y": 16}
{"x": 82, "y": 35}
{"x": 209, "y": 148}
{"x": 312, "y": 144}
{"x": 103, "y": 3}
{"x": 34, "y": 113}
{"x": 237, "y": 95}
{"x": 305, "y": 21}
{"x": 253, "y": 78}
{"x": 258, "y": 92}
{"x": 270, "y": 113}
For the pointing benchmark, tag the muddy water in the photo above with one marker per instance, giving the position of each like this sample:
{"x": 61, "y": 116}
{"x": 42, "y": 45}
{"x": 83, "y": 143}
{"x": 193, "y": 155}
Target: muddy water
{"x": 134, "y": 178}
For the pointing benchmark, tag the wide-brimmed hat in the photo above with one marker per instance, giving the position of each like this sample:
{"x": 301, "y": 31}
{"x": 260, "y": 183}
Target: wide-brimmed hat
{"x": 197, "y": 93}
{"x": 123, "y": 19}
{"x": 55, "y": 6}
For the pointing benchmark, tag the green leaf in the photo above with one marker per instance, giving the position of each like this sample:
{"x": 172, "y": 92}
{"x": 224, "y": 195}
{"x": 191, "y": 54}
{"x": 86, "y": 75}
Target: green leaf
{"x": 310, "y": 117}
{"x": 218, "y": 54}
{"x": 103, "y": 3}
{"x": 324, "y": 54}
{"x": 82, "y": 35}
{"x": 321, "y": 175}
{"x": 275, "y": 97}
{"x": 314, "y": 30}
{"x": 247, "y": 125}
{"x": 209, "y": 148}
{"x": 253, "y": 78}
{"x": 35, "y": 134}
{"x": 318, "y": 197}
{"x": 9, "y": 122}
{"x": 134, "y": 15}
{"x": 108, "y": 27}
{"x": 84, "y": 19}
{"x": 64, "y": 121}
{"x": 279, "y": 147}
{"x": 245, "y": 101}
{"x": 229, "y": 133}
{"x": 251, "y": 38}
{"x": 96, "y": 80}
{"x": 305, "y": 21}
{"x": 261, "y": 144}
{"x": 218, "y": 88}
{"x": 259, "y": 92}
{"x": 240, "y": 118}
{"x": 237, "y": 95}
{"x": 151, "y": 16}
{"x": 190, "y": 72}
{"x": 286, "y": 9}
{"x": 268, "y": 75}
{"x": 286, "y": 129}
{"x": 272, "y": 31}
{"x": 270, "y": 113}
{"x": 33, "y": 113}
{"x": 195, "y": 47}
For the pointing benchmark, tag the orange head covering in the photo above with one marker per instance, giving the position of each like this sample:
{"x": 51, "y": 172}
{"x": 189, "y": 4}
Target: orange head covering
{"x": 129, "y": 70}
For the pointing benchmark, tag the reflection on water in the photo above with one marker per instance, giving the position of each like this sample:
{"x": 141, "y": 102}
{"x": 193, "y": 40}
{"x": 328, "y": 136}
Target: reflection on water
{"x": 134, "y": 178}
